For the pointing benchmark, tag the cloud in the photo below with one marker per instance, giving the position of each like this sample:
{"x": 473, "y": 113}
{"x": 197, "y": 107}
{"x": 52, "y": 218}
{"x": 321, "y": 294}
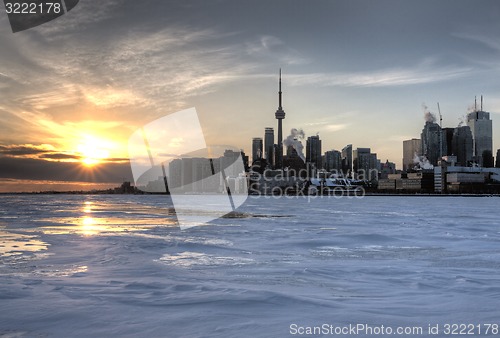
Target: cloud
{"x": 25, "y": 149}
{"x": 420, "y": 74}
{"x": 336, "y": 127}
{"x": 60, "y": 156}
{"x": 84, "y": 16}
{"x": 109, "y": 97}
{"x": 48, "y": 153}
{"x": 154, "y": 70}
{"x": 483, "y": 48}
{"x": 264, "y": 45}
{"x": 39, "y": 169}
{"x": 491, "y": 42}
{"x": 327, "y": 125}
{"x": 68, "y": 135}
{"x": 64, "y": 95}
{"x": 271, "y": 47}
{"x": 116, "y": 160}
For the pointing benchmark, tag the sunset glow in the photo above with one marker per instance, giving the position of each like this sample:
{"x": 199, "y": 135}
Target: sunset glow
{"x": 352, "y": 81}
{"x": 93, "y": 151}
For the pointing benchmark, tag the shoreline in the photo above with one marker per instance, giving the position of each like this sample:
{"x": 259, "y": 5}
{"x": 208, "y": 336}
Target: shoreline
{"x": 368, "y": 194}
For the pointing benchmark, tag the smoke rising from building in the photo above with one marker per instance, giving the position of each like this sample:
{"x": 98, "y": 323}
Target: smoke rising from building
{"x": 428, "y": 116}
{"x": 294, "y": 140}
{"x": 421, "y": 162}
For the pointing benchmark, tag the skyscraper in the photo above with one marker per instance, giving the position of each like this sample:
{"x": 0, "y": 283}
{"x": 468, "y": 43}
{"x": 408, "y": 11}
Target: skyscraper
{"x": 462, "y": 145}
{"x": 347, "y": 159}
{"x": 280, "y": 115}
{"x": 432, "y": 142}
{"x": 269, "y": 146}
{"x": 333, "y": 160}
{"x": 364, "y": 164}
{"x": 448, "y": 141}
{"x": 256, "y": 149}
{"x": 410, "y": 149}
{"x": 482, "y": 134}
{"x": 497, "y": 163}
{"x": 313, "y": 151}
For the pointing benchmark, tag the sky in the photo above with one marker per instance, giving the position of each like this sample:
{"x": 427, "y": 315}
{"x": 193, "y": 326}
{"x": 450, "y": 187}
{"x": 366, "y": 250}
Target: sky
{"x": 73, "y": 90}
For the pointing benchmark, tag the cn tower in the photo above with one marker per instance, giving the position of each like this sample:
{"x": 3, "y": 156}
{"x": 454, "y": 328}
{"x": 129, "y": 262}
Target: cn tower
{"x": 280, "y": 115}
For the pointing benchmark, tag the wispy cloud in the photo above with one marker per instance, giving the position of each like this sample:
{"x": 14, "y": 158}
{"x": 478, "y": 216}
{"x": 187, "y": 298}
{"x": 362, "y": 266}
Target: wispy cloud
{"x": 86, "y": 14}
{"x": 327, "y": 125}
{"x": 269, "y": 46}
{"x": 151, "y": 69}
{"x": 110, "y": 97}
{"x": 420, "y": 74}
{"x": 484, "y": 49}
{"x": 336, "y": 127}
{"x": 491, "y": 42}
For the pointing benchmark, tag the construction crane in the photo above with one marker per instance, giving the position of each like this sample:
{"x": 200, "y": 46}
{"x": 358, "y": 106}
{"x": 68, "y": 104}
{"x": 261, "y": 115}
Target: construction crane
{"x": 440, "y": 133}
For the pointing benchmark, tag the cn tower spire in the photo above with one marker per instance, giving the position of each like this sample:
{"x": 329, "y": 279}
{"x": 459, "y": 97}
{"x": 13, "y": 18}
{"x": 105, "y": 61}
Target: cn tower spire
{"x": 280, "y": 115}
{"x": 280, "y": 95}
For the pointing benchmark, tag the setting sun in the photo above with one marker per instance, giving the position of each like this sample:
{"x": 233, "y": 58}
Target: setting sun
{"x": 93, "y": 151}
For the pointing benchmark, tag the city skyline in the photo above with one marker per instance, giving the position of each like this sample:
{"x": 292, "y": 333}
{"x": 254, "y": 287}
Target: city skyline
{"x": 469, "y": 143}
{"x": 73, "y": 90}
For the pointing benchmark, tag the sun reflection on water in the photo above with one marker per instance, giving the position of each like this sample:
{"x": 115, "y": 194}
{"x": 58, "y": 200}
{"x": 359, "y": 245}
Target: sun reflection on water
{"x": 15, "y": 243}
{"x": 87, "y": 207}
{"x": 96, "y": 219}
{"x": 89, "y": 227}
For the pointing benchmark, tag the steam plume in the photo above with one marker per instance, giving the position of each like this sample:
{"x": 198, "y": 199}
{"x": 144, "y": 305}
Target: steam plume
{"x": 296, "y": 135}
{"x": 421, "y": 162}
{"x": 428, "y": 116}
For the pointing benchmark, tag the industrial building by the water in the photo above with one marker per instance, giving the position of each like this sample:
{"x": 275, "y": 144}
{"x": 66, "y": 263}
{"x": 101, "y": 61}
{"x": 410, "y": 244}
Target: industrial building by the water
{"x": 449, "y": 160}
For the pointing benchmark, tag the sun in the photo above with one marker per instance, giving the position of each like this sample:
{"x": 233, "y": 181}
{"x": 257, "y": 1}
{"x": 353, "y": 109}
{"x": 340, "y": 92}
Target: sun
{"x": 92, "y": 151}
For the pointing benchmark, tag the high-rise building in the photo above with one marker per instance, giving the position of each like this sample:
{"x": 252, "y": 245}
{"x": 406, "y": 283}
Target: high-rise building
{"x": 462, "y": 146}
{"x": 497, "y": 164}
{"x": 365, "y": 164}
{"x": 432, "y": 141}
{"x": 410, "y": 149}
{"x": 482, "y": 134}
{"x": 313, "y": 151}
{"x": 257, "y": 148}
{"x": 269, "y": 146}
{"x": 347, "y": 159}
{"x": 280, "y": 115}
{"x": 448, "y": 141}
{"x": 333, "y": 160}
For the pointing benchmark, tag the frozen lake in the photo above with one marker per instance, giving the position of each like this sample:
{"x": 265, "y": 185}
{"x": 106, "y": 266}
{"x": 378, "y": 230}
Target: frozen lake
{"x": 116, "y": 266}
